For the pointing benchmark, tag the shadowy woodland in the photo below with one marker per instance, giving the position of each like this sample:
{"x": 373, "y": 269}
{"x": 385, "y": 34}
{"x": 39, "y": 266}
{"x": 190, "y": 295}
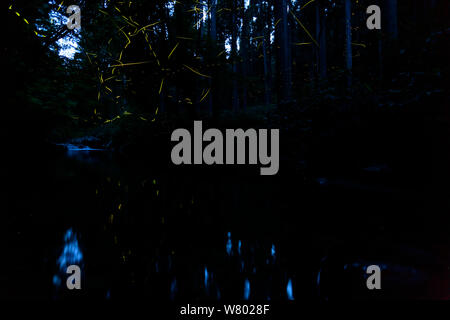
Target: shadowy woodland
{"x": 364, "y": 158}
{"x": 144, "y": 65}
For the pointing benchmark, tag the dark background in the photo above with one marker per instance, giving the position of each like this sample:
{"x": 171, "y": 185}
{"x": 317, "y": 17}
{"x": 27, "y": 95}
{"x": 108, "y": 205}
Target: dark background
{"x": 363, "y": 151}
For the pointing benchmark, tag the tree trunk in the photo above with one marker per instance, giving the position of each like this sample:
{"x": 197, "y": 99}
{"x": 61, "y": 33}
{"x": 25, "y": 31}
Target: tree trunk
{"x": 267, "y": 91}
{"x": 213, "y": 31}
{"x": 390, "y": 43}
{"x": 235, "y": 93}
{"x": 282, "y": 43}
{"x": 244, "y": 49}
{"x": 321, "y": 36}
{"x": 392, "y": 18}
{"x": 213, "y": 36}
{"x": 348, "y": 42}
{"x": 317, "y": 49}
{"x": 264, "y": 16}
{"x": 164, "y": 52}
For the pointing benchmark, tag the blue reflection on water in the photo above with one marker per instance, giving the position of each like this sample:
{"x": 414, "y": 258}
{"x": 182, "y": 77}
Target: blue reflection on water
{"x": 289, "y": 293}
{"x": 206, "y": 277}
{"x": 83, "y": 153}
{"x": 71, "y": 253}
{"x": 56, "y": 280}
{"x": 246, "y": 289}
{"x": 173, "y": 288}
{"x": 318, "y": 278}
{"x": 229, "y": 244}
{"x": 71, "y": 147}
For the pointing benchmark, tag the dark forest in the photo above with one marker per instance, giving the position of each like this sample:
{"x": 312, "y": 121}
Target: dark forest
{"x": 364, "y": 125}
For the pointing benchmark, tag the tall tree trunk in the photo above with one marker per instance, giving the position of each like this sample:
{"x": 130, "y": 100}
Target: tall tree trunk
{"x": 198, "y": 83}
{"x": 390, "y": 43}
{"x": 179, "y": 31}
{"x": 244, "y": 49}
{"x": 282, "y": 43}
{"x": 317, "y": 49}
{"x": 321, "y": 36}
{"x": 392, "y": 19}
{"x": 213, "y": 31}
{"x": 213, "y": 36}
{"x": 287, "y": 78}
{"x": 235, "y": 93}
{"x": 264, "y": 17}
{"x": 164, "y": 51}
{"x": 269, "y": 52}
{"x": 348, "y": 42}
{"x": 267, "y": 80}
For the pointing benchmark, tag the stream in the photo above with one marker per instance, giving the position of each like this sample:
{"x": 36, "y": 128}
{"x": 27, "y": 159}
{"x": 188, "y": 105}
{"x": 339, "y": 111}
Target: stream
{"x": 139, "y": 229}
